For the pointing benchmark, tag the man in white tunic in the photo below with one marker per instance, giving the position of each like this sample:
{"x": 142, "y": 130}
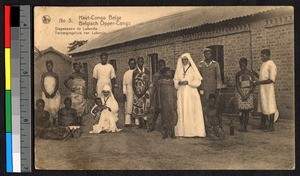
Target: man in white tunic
{"x": 103, "y": 74}
{"x": 267, "y": 101}
{"x": 128, "y": 91}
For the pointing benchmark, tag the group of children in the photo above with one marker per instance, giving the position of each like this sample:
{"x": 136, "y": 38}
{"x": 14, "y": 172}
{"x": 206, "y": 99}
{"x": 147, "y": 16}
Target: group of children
{"x": 68, "y": 122}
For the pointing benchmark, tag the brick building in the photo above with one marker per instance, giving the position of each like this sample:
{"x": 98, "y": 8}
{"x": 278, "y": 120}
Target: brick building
{"x": 62, "y": 66}
{"x": 232, "y": 32}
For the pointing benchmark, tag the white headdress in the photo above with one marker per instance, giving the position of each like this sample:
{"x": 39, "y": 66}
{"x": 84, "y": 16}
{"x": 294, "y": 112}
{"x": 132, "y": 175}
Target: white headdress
{"x": 180, "y": 66}
{"x": 106, "y": 87}
{"x": 111, "y": 101}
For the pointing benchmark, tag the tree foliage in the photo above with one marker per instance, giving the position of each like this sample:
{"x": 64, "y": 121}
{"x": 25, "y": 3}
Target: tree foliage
{"x": 77, "y": 43}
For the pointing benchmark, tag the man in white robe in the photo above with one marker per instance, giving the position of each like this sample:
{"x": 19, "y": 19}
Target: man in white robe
{"x": 267, "y": 101}
{"x": 128, "y": 92}
{"x": 103, "y": 74}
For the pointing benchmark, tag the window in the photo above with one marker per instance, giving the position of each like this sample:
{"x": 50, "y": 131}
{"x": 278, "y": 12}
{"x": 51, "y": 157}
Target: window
{"x": 218, "y": 55}
{"x": 114, "y": 64}
{"x": 152, "y": 60}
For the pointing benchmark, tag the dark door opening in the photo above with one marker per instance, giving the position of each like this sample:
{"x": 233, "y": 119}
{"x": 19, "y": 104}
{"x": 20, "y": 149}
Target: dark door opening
{"x": 218, "y": 55}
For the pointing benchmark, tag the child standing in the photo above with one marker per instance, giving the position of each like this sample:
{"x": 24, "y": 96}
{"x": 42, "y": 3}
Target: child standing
{"x": 213, "y": 121}
{"x": 167, "y": 102}
{"x": 50, "y": 94}
{"x": 244, "y": 79}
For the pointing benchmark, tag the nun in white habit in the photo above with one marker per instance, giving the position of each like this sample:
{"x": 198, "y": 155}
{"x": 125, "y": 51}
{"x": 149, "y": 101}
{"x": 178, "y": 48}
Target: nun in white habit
{"x": 108, "y": 116}
{"x": 190, "y": 116}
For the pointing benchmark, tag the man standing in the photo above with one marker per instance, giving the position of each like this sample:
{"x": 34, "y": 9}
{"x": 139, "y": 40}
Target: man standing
{"x": 210, "y": 71}
{"x": 156, "y": 77}
{"x": 267, "y": 101}
{"x": 141, "y": 97}
{"x": 103, "y": 74}
{"x": 128, "y": 91}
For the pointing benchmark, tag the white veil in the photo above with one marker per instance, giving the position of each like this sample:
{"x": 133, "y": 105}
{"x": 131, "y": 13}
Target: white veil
{"x": 179, "y": 68}
{"x": 112, "y": 102}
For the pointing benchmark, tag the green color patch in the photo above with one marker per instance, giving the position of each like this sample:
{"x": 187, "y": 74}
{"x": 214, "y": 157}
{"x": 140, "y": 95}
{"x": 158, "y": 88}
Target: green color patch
{"x": 8, "y": 117}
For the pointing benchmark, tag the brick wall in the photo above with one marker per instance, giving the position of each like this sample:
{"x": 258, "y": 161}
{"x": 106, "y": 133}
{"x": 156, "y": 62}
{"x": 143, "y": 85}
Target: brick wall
{"x": 61, "y": 66}
{"x": 278, "y": 35}
{"x": 242, "y": 40}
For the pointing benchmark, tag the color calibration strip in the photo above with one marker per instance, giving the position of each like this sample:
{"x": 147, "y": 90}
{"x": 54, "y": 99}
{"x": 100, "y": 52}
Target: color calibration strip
{"x": 8, "y": 113}
{"x": 17, "y": 88}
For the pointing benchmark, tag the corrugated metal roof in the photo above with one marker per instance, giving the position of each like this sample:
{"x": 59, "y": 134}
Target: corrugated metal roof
{"x": 172, "y": 23}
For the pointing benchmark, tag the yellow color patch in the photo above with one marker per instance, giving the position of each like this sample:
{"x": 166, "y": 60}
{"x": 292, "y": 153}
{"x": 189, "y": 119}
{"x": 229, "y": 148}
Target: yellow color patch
{"x": 7, "y": 69}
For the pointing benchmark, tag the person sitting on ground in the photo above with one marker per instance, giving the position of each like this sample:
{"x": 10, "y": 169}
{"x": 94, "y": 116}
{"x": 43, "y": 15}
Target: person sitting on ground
{"x": 167, "y": 103}
{"x": 96, "y": 110}
{"x": 213, "y": 121}
{"x": 42, "y": 127}
{"x": 109, "y": 115}
{"x": 67, "y": 116}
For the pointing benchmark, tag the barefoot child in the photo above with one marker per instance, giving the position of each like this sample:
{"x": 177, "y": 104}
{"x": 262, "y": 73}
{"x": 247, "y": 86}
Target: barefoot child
{"x": 244, "y": 79}
{"x": 42, "y": 128}
{"x": 213, "y": 121}
{"x": 167, "y": 103}
{"x": 51, "y": 95}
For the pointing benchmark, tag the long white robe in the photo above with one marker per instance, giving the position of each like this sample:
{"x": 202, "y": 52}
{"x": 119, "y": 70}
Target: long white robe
{"x": 103, "y": 74}
{"x": 267, "y": 101}
{"x": 190, "y": 115}
{"x": 108, "y": 118}
{"x": 128, "y": 91}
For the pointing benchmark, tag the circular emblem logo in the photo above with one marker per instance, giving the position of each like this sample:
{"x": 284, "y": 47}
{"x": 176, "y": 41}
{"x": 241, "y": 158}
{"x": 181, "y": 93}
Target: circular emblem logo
{"x": 46, "y": 19}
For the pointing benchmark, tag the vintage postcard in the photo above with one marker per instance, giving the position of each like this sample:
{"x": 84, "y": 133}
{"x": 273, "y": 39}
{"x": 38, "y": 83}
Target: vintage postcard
{"x": 164, "y": 88}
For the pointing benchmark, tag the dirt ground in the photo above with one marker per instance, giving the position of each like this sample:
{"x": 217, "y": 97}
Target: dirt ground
{"x": 135, "y": 149}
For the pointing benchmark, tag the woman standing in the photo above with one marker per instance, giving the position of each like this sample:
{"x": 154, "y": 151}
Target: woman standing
{"x": 243, "y": 81}
{"x": 78, "y": 90}
{"x": 190, "y": 116}
{"x": 51, "y": 95}
{"x": 109, "y": 114}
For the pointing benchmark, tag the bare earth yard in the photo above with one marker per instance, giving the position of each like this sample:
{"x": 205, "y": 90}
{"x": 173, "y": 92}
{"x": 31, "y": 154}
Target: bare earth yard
{"x": 135, "y": 149}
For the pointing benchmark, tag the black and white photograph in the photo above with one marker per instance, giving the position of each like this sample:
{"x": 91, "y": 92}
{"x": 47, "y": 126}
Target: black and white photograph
{"x": 164, "y": 88}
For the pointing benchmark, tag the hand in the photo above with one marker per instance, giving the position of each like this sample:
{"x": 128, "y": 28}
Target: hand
{"x": 201, "y": 92}
{"x": 244, "y": 97}
{"x": 47, "y": 95}
{"x": 124, "y": 97}
{"x": 184, "y": 83}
